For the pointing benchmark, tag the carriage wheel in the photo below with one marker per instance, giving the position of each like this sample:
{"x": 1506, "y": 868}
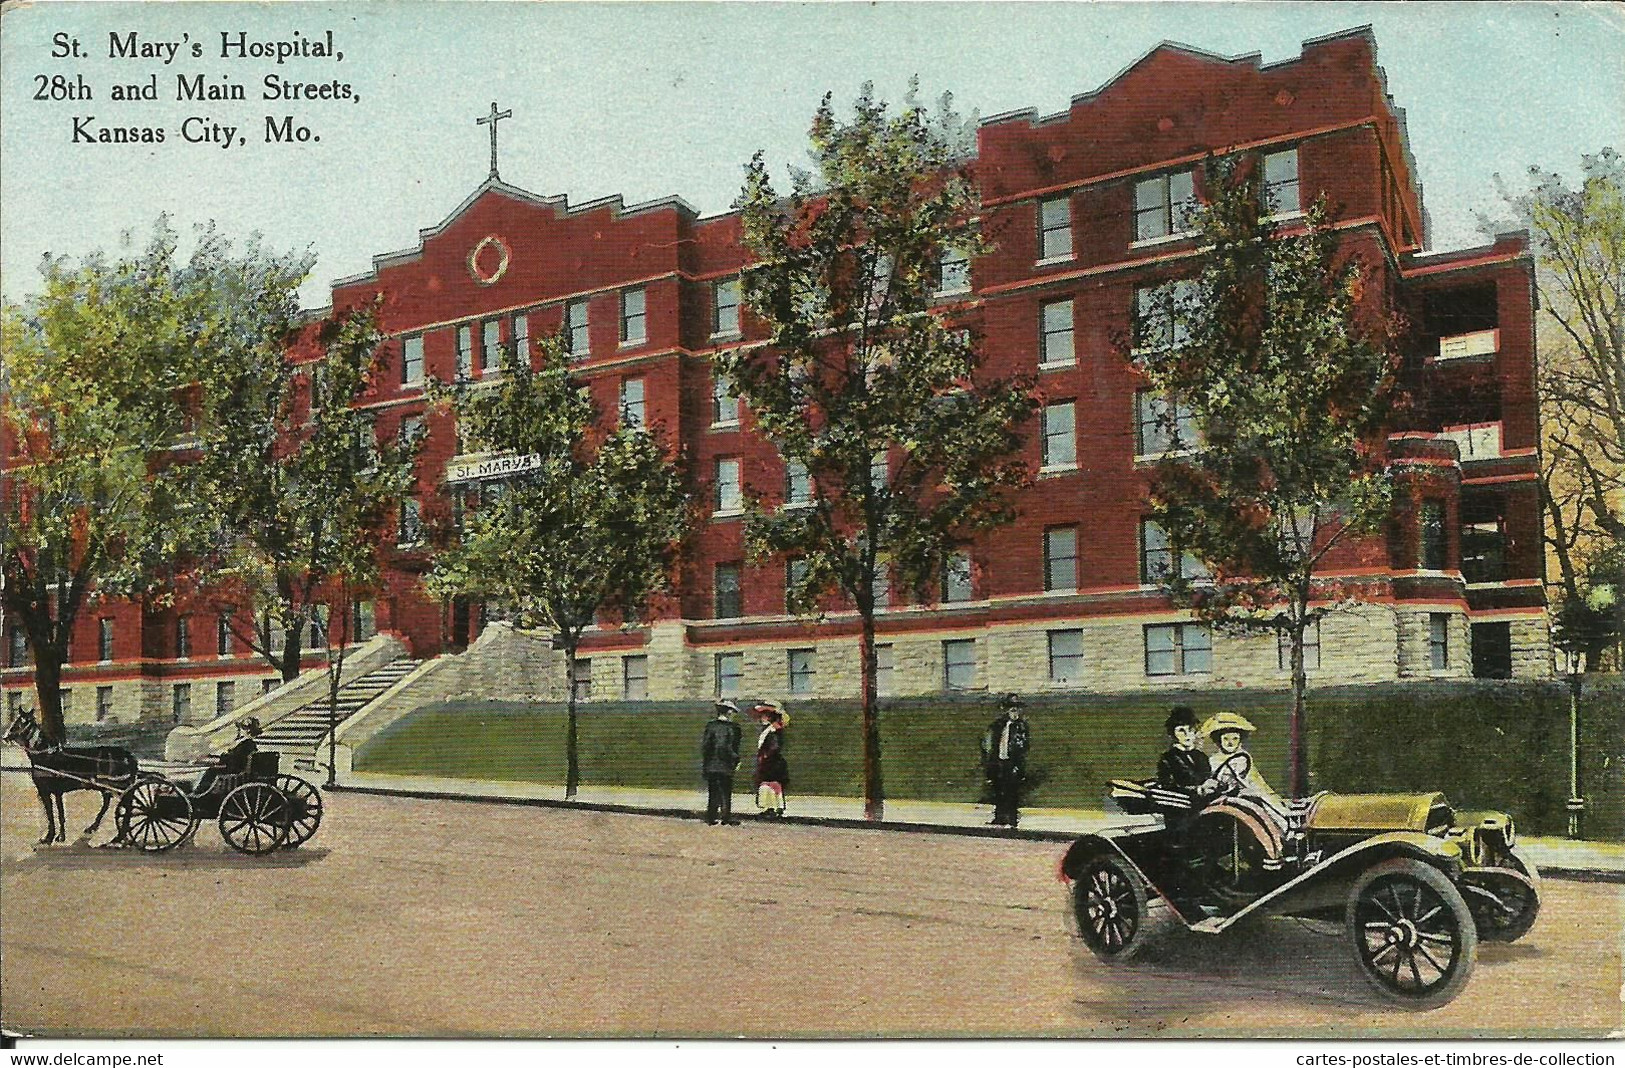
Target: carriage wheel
{"x": 305, "y": 809}
{"x": 254, "y": 818}
{"x": 155, "y": 815}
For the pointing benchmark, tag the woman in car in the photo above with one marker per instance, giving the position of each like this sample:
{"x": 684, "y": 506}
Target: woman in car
{"x": 1233, "y": 766}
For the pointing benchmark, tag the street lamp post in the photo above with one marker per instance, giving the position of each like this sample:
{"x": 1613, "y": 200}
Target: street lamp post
{"x": 1576, "y": 803}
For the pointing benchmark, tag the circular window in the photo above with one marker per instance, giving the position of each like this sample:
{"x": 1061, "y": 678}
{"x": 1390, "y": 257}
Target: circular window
{"x": 489, "y": 260}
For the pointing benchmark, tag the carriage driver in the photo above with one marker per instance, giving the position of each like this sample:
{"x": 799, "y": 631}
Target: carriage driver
{"x": 235, "y": 760}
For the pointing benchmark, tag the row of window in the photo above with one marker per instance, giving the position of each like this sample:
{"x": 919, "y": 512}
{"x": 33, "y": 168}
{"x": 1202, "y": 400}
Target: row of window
{"x": 362, "y": 626}
{"x": 1164, "y": 204}
{"x": 225, "y": 700}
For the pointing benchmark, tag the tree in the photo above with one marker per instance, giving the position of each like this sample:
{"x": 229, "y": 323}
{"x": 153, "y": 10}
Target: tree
{"x": 591, "y": 527}
{"x": 1277, "y": 387}
{"x": 869, "y": 382}
{"x": 293, "y": 487}
{"x": 97, "y": 372}
{"x": 1579, "y": 237}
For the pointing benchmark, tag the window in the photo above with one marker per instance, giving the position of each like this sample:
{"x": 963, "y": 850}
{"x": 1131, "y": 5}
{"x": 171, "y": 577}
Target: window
{"x": 634, "y": 678}
{"x": 1311, "y": 649}
{"x": 17, "y": 651}
{"x": 956, "y": 578}
{"x": 1159, "y": 314}
{"x": 728, "y": 494}
{"x": 575, "y": 320}
{"x": 410, "y": 431}
{"x": 1065, "y": 656}
{"x": 519, "y": 337}
{"x": 724, "y": 405}
{"x": 1157, "y": 555}
{"x": 885, "y": 664}
{"x": 1434, "y": 551}
{"x": 795, "y": 573}
{"x": 1178, "y": 649}
{"x": 953, "y": 273}
{"x": 1061, "y": 558}
{"x": 802, "y": 668}
{"x": 1161, "y": 426}
{"x": 363, "y": 621}
{"x": 725, "y": 308}
{"x": 1492, "y": 650}
{"x": 1163, "y": 205}
{"x": 1060, "y": 435}
{"x": 1281, "y": 193}
{"x": 267, "y": 685}
{"x": 104, "y": 640}
{"x": 180, "y": 702}
{"x": 183, "y": 637}
{"x": 1055, "y": 341}
{"x": 104, "y": 703}
{"x": 634, "y": 323}
{"x": 879, "y": 471}
{"x": 222, "y": 636}
{"x": 730, "y": 669}
{"x": 412, "y": 361}
{"x": 581, "y": 680}
{"x": 14, "y": 702}
{"x": 880, "y": 589}
{"x": 632, "y": 402}
{"x": 728, "y": 599}
{"x": 465, "y": 352}
{"x": 959, "y": 664}
{"x": 797, "y": 483}
{"x": 411, "y": 522}
{"x": 225, "y": 698}
{"x": 491, "y": 346}
{"x": 67, "y": 704}
{"x": 1438, "y": 641}
{"x": 1055, "y": 228}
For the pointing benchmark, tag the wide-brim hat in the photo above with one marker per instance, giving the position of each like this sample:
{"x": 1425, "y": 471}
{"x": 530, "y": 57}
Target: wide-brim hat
{"x": 1220, "y": 722}
{"x": 725, "y": 705}
{"x": 1012, "y": 700}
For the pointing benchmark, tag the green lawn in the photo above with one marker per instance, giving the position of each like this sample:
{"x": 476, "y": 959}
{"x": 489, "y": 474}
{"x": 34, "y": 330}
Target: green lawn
{"x": 1498, "y": 745}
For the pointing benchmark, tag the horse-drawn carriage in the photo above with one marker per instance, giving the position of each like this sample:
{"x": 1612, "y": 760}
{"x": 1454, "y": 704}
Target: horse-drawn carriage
{"x": 257, "y": 808}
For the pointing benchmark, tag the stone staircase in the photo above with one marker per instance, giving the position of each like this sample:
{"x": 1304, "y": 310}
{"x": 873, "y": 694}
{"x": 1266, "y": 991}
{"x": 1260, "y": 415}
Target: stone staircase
{"x": 302, "y": 729}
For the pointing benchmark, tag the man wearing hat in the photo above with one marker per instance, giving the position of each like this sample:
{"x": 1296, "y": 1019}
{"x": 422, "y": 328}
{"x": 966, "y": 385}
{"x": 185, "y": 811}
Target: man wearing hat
{"x": 235, "y": 760}
{"x": 1004, "y": 759}
{"x": 719, "y": 759}
{"x": 1183, "y": 766}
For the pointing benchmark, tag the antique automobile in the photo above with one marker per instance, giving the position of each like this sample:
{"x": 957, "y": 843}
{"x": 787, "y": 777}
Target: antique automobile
{"x": 1414, "y": 884}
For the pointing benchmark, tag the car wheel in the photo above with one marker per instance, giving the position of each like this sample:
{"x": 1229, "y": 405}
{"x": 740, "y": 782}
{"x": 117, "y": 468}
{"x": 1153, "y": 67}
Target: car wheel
{"x": 1414, "y": 937}
{"x": 1504, "y": 902}
{"x": 1112, "y": 908}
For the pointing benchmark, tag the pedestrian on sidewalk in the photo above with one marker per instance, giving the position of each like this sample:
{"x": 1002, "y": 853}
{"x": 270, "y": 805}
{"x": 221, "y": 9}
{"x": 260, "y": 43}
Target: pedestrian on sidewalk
{"x": 719, "y": 759}
{"x": 1004, "y": 759}
{"x": 772, "y": 772}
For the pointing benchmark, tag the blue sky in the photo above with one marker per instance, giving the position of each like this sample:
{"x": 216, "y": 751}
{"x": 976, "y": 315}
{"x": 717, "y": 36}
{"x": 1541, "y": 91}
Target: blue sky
{"x": 653, "y": 100}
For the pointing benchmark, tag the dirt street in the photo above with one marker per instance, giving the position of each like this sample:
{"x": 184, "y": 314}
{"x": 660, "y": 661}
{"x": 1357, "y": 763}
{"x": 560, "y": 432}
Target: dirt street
{"x": 407, "y": 917}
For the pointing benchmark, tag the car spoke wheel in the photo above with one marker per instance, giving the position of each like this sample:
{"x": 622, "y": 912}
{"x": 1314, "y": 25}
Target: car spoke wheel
{"x": 304, "y": 809}
{"x": 254, "y": 818}
{"x": 1413, "y": 934}
{"x": 1112, "y": 909}
{"x": 154, "y": 816}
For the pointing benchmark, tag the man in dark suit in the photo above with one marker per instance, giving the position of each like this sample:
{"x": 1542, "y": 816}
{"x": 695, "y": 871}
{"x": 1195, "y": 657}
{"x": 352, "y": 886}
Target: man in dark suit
{"x": 1004, "y": 758}
{"x": 1184, "y": 767}
{"x": 719, "y": 759}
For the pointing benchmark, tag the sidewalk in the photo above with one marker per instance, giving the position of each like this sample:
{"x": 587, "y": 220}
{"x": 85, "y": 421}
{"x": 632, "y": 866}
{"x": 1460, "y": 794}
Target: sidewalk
{"x": 1555, "y": 857}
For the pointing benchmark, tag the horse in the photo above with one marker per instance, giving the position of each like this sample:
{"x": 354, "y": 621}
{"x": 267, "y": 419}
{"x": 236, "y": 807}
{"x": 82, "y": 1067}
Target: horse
{"x": 57, "y": 770}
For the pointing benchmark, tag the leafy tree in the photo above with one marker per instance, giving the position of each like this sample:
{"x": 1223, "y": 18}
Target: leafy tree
{"x": 292, "y": 488}
{"x": 869, "y": 382}
{"x": 97, "y": 373}
{"x": 593, "y": 527}
{"x": 1279, "y": 386}
{"x": 1579, "y": 237}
